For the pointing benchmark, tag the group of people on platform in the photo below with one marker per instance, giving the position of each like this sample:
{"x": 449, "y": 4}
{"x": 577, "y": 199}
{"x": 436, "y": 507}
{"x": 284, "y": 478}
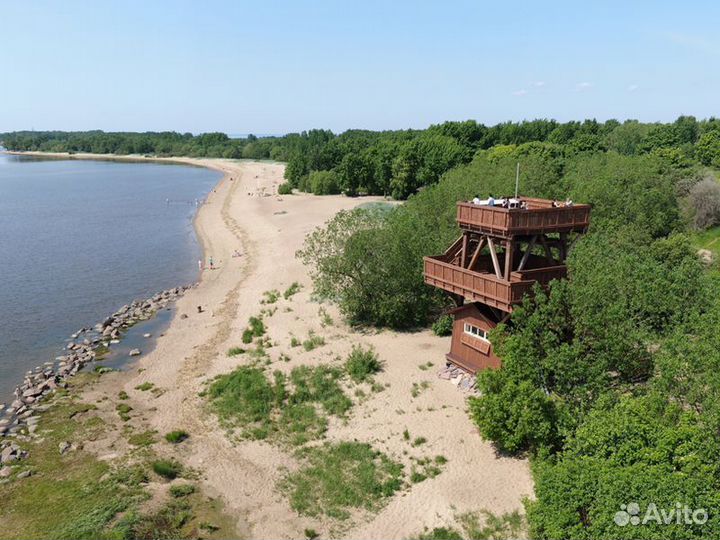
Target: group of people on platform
{"x": 514, "y": 202}
{"x": 503, "y": 202}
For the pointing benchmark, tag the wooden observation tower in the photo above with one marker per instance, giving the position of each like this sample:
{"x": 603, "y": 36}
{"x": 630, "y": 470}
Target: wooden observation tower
{"x": 502, "y": 253}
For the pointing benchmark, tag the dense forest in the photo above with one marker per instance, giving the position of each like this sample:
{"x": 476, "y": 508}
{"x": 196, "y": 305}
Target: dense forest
{"x": 398, "y": 163}
{"x": 611, "y": 379}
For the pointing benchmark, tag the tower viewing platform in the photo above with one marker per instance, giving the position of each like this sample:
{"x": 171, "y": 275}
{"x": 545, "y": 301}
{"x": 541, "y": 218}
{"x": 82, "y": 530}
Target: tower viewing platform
{"x": 505, "y": 249}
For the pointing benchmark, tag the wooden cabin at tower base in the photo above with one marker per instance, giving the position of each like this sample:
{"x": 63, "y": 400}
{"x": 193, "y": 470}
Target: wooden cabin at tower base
{"x": 470, "y": 347}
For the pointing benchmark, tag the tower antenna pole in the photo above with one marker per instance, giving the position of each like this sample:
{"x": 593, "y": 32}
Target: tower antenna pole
{"x": 517, "y": 179}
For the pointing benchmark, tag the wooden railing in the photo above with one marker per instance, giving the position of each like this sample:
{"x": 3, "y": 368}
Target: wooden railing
{"x": 541, "y": 275}
{"x": 475, "y": 286}
{"x": 536, "y": 219}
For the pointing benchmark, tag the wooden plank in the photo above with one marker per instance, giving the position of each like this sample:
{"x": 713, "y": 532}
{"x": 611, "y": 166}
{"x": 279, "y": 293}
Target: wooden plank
{"x": 463, "y": 252}
{"x": 509, "y": 251}
{"x": 494, "y": 256}
{"x": 527, "y": 253}
{"x": 476, "y": 255}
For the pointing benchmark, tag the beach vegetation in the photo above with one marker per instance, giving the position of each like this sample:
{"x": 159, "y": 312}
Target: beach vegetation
{"x": 362, "y": 363}
{"x": 270, "y": 297}
{"x": 443, "y": 326}
{"x": 123, "y": 410}
{"x": 176, "y": 436}
{"x": 292, "y": 290}
{"x": 236, "y": 351}
{"x": 145, "y": 438}
{"x": 295, "y": 342}
{"x": 285, "y": 188}
{"x": 290, "y": 409}
{"x": 167, "y": 468}
{"x": 336, "y": 479}
{"x": 247, "y": 336}
{"x": 313, "y": 341}
{"x": 144, "y": 387}
{"x": 182, "y": 490}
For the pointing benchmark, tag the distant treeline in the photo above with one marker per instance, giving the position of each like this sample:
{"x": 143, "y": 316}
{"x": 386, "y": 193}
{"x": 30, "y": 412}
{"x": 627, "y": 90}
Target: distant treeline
{"x": 399, "y": 163}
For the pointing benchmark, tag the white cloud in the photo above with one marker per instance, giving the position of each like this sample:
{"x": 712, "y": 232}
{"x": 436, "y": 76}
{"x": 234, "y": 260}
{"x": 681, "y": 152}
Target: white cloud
{"x": 520, "y": 93}
{"x": 581, "y": 87}
{"x": 538, "y": 84}
{"x": 632, "y": 87}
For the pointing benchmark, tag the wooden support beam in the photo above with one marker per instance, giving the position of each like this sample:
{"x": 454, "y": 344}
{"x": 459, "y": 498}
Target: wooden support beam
{"x": 493, "y": 254}
{"x": 563, "y": 247}
{"x": 548, "y": 251}
{"x": 527, "y": 253}
{"x": 509, "y": 252}
{"x": 463, "y": 252}
{"x": 476, "y": 255}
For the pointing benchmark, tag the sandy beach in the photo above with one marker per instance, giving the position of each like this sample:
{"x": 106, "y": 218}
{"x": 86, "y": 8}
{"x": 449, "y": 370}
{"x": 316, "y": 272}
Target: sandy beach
{"x": 244, "y": 213}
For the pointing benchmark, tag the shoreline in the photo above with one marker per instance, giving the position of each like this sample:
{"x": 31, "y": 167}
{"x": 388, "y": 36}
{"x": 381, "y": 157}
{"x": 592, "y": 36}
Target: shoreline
{"x": 53, "y": 373}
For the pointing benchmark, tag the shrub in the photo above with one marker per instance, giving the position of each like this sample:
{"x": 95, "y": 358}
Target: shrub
{"x": 144, "y": 387}
{"x": 293, "y": 289}
{"x": 285, "y": 188}
{"x": 167, "y": 468}
{"x": 176, "y": 436}
{"x": 146, "y": 438}
{"x": 324, "y": 183}
{"x": 247, "y": 336}
{"x": 362, "y": 364}
{"x": 313, "y": 341}
{"x": 235, "y": 351}
{"x": 705, "y": 202}
{"x": 443, "y": 326}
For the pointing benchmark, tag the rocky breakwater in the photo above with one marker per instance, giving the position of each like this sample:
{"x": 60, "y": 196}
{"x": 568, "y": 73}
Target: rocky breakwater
{"x": 85, "y": 346}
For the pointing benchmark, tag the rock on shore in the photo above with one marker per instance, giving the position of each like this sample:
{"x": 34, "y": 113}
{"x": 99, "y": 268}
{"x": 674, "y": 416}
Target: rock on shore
{"x": 20, "y": 417}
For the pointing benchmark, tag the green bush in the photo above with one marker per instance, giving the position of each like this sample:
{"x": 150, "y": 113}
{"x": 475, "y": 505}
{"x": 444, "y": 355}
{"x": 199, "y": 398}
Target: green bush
{"x": 313, "y": 342}
{"x": 443, "y": 326}
{"x": 292, "y": 290}
{"x": 362, "y": 363}
{"x": 247, "y": 336}
{"x": 324, "y": 183}
{"x": 285, "y": 188}
{"x": 167, "y": 468}
{"x": 235, "y": 351}
{"x": 177, "y": 436}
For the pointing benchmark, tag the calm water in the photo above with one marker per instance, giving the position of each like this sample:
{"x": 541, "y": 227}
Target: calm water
{"x": 78, "y": 239}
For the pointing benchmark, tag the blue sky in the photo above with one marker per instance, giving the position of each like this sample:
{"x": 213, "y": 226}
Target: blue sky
{"x": 274, "y": 67}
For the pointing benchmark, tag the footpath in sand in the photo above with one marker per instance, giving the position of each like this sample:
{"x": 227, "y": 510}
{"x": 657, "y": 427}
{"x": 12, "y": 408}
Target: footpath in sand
{"x": 267, "y": 231}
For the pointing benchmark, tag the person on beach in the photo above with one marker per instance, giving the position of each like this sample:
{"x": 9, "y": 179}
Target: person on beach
{"x": 212, "y": 265}
{"x": 200, "y": 265}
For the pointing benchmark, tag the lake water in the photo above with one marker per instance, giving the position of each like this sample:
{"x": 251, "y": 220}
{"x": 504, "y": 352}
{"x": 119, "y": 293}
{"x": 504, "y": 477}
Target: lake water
{"x": 79, "y": 239}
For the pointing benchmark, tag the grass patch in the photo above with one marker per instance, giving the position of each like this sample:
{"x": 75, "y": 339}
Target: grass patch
{"x": 167, "y": 468}
{"x": 177, "y": 436}
{"x": 291, "y": 408}
{"x": 341, "y": 477}
{"x": 362, "y": 364}
{"x": 426, "y": 366}
{"x": 122, "y": 394}
{"x": 325, "y": 318}
{"x": 441, "y": 533}
{"x": 247, "y": 336}
{"x": 182, "y": 490}
{"x": 292, "y": 290}
{"x": 236, "y": 351}
{"x": 419, "y": 388}
{"x": 270, "y": 297}
{"x": 146, "y": 438}
{"x": 313, "y": 341}
{"x": 485, "y": 524}
{"x": 295, "y": 342}
{"x": 419, "y": 441}
{"x": 144, "y": 387}
{"x": 123, "y": 409}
